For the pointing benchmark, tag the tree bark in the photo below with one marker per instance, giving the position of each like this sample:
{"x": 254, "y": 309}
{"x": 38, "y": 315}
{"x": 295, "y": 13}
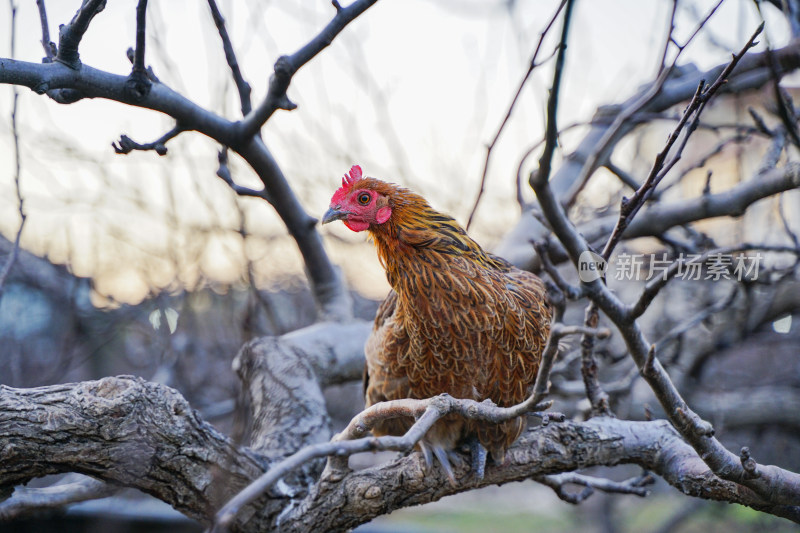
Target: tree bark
{"x": 129, "y": 432}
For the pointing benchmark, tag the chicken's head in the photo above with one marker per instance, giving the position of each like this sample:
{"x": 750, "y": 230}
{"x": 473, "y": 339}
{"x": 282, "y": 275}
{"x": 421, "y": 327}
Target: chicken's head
{"x": 357, "y": 203}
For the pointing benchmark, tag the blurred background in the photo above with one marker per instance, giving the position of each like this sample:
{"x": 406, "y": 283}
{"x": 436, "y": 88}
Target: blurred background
{"x": 148, "y": 265}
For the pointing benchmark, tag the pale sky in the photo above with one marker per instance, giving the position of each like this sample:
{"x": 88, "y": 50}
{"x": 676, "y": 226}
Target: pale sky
{"x": 413, "y": 91}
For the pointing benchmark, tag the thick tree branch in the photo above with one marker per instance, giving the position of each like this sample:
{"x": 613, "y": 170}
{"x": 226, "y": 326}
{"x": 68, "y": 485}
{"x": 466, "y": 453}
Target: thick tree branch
{"x": 564, "y": 447}
{"x": 67, "y": 81}
{"x": 352, "y": 440}
{"x": 326, "y": 283}
{"x": 144, "y": 435}
{"x": 124, "y": 431}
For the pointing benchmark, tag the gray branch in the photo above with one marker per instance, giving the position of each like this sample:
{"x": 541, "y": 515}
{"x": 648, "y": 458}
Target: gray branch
{"x": 144, "y": 435}
{"x": 287, "y": 66}
{"x": 545, "y": 450}
{"x": 325, "y": 280}
{"x": 27, "y": 501}
{"x": 752, "y": 72}
{"x": 124, "y": 431}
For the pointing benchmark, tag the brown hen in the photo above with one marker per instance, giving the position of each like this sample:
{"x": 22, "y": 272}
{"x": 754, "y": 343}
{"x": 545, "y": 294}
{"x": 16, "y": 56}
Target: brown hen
{"x": 459, "y": 320}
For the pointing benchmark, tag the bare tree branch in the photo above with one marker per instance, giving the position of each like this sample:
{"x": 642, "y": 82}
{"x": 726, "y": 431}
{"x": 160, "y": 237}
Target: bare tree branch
{"x": 365, "y": 494}
{"x": 661, "y": 166}
{"x": 47, "y": 44}
{"x": 774, "y": 484}
{"x": 531, "y": 66}
{"x": 750, "y": 73}
{"x": 325, "y": 281}
{"x": 224, "y": 172}
{"x": 654, "y": 286}
{"x": 551, "y": 130}
{"x": 287, "y": 66}
{"x": 126, "y": 145}
{"x": 70, "y": 35}
{"x": 558, "y": 482}
{"x": 598, "y": 398}
{"x": 734, "y": 202}
{"x": 550, "y": 352}
{"x": 610, "y": 136}
{"x": 12, "y": 256}
{"x": 73, "y": 489}
{"x": 241, "y": 85}
{"x": 125, "y": 431}
{"x": 351, "y": 440}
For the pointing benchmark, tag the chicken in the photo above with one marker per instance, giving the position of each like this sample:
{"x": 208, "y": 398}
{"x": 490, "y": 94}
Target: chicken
{"x": 459, "y": 320}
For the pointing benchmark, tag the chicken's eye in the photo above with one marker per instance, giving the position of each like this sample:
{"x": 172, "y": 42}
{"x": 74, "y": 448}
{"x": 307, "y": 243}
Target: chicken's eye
{"x": 363, "y": 198}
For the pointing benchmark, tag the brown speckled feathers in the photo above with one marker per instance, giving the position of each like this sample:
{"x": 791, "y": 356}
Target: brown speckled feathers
{"x": 459, "y": 320}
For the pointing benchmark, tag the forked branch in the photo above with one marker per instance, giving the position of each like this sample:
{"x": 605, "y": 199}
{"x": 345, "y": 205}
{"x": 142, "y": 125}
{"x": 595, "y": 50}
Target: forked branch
{"x": 287, "y": 66}
{"x": 352, "y": 440}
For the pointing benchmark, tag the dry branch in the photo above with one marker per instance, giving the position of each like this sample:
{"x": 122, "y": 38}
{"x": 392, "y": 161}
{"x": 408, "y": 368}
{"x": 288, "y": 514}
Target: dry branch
{"x": 67, "y": 80}
{"x": 124, "y": 431}
{"x": 287, "y": 66}
{"x": 781, "y": 487}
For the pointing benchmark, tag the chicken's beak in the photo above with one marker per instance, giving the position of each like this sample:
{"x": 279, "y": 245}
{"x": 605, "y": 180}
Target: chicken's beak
{"x": 333, "y": 214}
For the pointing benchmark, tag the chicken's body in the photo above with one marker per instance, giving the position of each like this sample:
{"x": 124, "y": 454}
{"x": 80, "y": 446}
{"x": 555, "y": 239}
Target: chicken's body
{"x": 458, "y": 320}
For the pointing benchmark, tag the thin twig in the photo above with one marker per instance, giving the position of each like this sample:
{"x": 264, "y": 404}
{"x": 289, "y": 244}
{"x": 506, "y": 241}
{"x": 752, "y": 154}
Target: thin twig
{"x": 224, "y": 172}
{"x": 610, "y": 136}
{"x": 598, "y": 398}
{"x": 141, "y": 20}
{"x": 669, "y": 40}
{"x": 785, "y": 109}
{"x": 531, "y": 66}
{"x": 661, "y": 166}
{"x": 571, "y": 292}
{"x": 12, "y": 257}
{"x": 654, "y": 286}
{"x": 49, "y": 46}
{"x": 679, "y": 330}
{"x": 138, "y": 84}
{"x": 550, "y": 352}
{"x": 126, "y": 145}
{"x": 73, "y": 488}
{"x": 623, "y": 175}
{"x": 635, "y": 485}
{"x": 230, "y": 56}
{"x": 551, "y": 130}
{"x": 786, "y": 228}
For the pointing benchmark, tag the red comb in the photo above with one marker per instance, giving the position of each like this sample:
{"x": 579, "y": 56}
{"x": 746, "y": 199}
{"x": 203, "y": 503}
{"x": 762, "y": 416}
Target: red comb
{"x": 352, "y": 176}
